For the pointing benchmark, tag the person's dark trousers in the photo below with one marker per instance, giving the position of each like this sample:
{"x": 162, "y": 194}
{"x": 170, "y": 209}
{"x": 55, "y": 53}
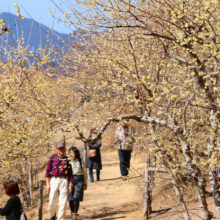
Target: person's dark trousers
{"x": 74, "y": 206}
{"x": 98, "y": 174}
{"x": 91, "y": 174}
{"x": 124, "y": 157}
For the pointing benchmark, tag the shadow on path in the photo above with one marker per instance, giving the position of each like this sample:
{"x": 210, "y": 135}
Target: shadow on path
{"x": 160, "y": 212}
{"x": 117, "y": 178}
{"x": 103, "y": 216}
{"x": 120, "y": 217}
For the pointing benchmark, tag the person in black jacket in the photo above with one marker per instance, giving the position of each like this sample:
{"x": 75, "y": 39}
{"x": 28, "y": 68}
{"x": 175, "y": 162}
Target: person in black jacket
{"x": 94, "y": 163}
{"x": 13, "y": 208}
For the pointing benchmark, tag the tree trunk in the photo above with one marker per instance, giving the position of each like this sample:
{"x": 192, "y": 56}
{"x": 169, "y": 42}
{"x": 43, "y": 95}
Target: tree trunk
{"x": 215, "y": 189}
{"x": 40, "y": 203}
{"x": 24, "y": 189}
{"x": 146, "y": 189}
{"x": 24, "y": 185}
{"x": 162, "y": 156}
{"x": 175, "y": 185}
{"x": 197, "y": 178}
{"x": 212, "y": 169}
{"x": 36, "y": 182}
{"x": 84, "y": 154}
{"x": 152, "y": 161}
{"x": 30, "y": 174}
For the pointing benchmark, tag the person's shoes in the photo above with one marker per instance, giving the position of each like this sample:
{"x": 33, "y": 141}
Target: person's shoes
{"x": 74, "y": 216}
{"x": 124, "y": 178}
{"x": 91, "y": 181}
{"x": 53, "y": 218}
{"x": 98, "y": 179}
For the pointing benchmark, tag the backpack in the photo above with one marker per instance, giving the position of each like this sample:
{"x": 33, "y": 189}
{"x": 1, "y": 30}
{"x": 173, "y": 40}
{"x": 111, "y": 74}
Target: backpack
{"x": 23, "y": 216}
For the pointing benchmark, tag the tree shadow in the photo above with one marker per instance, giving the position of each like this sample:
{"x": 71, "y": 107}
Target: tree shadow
{"x": 120, "y": 217}
{"x": 208, "y": 194}
{"x": 160, "y": 212}
{"x": 117, "y": 178}
{"x": 103, "y": 216}
{"x": 134, "y": 177}
{"x": 112, "y": 164}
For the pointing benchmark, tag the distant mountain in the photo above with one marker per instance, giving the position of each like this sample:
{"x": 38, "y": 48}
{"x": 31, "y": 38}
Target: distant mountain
{"x": 35, "y": 33}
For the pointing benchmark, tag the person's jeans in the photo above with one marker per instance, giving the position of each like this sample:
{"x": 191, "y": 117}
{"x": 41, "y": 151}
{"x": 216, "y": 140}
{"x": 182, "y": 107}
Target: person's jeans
{"x": 124, "y": 157}
{"x": 91, "y": 174}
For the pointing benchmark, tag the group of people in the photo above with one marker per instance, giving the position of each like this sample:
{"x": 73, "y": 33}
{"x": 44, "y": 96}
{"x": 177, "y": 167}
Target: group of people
{"x": 67, "y": 180}
{"x": 66, "y": 176}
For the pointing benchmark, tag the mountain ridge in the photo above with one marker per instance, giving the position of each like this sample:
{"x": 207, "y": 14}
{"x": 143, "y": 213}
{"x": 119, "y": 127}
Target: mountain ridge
{"x": 34, "y": 33}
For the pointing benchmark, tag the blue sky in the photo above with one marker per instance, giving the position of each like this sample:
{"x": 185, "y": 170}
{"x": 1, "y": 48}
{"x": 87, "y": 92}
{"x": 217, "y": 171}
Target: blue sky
{"x": 38, "y": 9}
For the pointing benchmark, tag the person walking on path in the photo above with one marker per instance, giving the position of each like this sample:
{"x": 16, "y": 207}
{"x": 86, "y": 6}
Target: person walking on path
{"x": 58, "y": 175}
{"x": 79, "y": 181}
{"x": 13, "y": 208}
{"x": 95, "y": 162}
{"x": 124, "y": 137}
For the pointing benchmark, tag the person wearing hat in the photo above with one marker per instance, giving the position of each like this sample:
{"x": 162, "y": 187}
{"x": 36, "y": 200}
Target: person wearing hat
{"x": 125, "y": 140}
{"x": 59, "y": 178}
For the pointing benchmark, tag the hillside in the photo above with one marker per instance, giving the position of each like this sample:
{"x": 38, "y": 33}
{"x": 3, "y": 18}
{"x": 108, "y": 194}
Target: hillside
{"x": 34, "y": 33}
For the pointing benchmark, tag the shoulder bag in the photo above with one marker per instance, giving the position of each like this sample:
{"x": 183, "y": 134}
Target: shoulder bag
{"x": 91, "y": 153}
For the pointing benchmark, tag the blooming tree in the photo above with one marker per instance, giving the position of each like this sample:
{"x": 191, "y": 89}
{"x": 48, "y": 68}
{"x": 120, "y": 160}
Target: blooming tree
{"x": 160, "y": 60}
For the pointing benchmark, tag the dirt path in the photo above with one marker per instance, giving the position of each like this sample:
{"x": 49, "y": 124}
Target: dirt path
{"x": 110, "y": 198}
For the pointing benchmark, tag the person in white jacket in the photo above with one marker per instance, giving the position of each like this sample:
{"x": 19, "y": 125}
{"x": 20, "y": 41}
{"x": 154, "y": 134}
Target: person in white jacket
{"x": 124, "y": 137}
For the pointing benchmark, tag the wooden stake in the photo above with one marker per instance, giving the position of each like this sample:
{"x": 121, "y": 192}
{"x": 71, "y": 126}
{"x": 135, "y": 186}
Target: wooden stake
{"x": 146, "y": 195}
{"x": 40, "y": 202}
